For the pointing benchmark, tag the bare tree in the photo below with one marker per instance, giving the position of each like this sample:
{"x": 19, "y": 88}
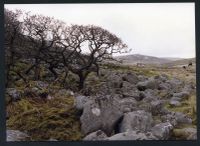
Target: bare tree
{"x": 13, "y": 31}
{"x": 77, "y": 48}
{"x": 91, "y": 45}
{"x": 42, "y": 33}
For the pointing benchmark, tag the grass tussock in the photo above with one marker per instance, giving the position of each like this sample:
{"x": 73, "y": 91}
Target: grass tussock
{"x": 187, "y": 107}
{"x": 42, "y": 120}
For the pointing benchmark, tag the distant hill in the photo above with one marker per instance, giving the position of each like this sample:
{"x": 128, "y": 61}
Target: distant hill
{"x": 172, "y": 58}
{"x": 138, "y": 58}
{"x": 181, "y": 62}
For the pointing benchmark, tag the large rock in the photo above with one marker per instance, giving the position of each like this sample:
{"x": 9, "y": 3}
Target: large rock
{"x": 128, "y": 104}
{"x": 189, "y": 88}
{"x": 156, "y": 107}
{"x": 176, "y": 84}
{"x": 183, "y": 95}
{"x": 130, "y": 90}
{"x": 16, "y": 135}
{"x": 148, "y": 95}
{"x": 142, "y": 78}
{"x": 132, "y": 135}
{"x": 14, "y": 94}
{"x": 102, "y": 113}
{"x": 79, "y": 101}
{"x": 149, "y": 84}
{"x": 162, "y": 131}
{"x": 176, "y": 99}
{"x": 181, "y": 118}
{"x": 104, "y": 89}
{"x": 136, "y": 120}
{"x": 131, "y": 78}
{"x": 97, "y": 135}
{"x": 169, "y": 118}
{"x": 176, "y": 118}
{"x": 162, "y": 77}
{"x": 164, "y": 86}
{"x": 174, "y": 103}
{"x": 165, "y": 111}
{"x": 114, "y": 80}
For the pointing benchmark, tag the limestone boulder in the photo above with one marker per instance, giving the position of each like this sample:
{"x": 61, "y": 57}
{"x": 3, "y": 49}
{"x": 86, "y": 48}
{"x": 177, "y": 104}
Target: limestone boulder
{"x": 102, "y": 113}
{"x": 136, "y": 120}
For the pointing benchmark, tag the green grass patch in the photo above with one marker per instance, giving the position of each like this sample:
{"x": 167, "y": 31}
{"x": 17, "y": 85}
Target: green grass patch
{"x": 146, "y": 71}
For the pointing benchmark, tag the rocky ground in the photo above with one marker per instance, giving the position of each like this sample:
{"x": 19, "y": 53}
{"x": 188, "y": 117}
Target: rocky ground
{"x": 122, "y": 103}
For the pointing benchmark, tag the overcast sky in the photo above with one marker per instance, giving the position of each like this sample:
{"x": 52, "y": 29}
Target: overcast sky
{"x": 159, "y": 29}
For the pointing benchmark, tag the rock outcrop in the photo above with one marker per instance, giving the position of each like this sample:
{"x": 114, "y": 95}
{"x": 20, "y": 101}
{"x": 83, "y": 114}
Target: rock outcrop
{"x": 162, "y": 131}
{"x": 102, "y": 113}
{"x": 136, "y": 120}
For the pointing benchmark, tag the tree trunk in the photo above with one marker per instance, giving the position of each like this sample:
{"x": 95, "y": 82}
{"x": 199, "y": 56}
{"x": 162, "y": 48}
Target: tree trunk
{"x": 53, "y": 72}
{"x": 66, "y": 74}
{"x": 97, "y": 69}
{"x": 21, "y": 76}
{"x": 29, "y": 69}
{"x": 81, "y": 81}
{"x": 37, "y": 70}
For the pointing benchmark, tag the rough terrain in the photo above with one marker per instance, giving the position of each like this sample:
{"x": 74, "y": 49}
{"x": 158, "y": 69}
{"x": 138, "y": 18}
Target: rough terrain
{"x": 122, "y": 103}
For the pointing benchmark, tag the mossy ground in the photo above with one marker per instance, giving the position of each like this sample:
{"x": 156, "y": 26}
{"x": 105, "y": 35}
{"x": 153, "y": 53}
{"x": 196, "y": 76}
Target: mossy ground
{"x": 42, "y": 120}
